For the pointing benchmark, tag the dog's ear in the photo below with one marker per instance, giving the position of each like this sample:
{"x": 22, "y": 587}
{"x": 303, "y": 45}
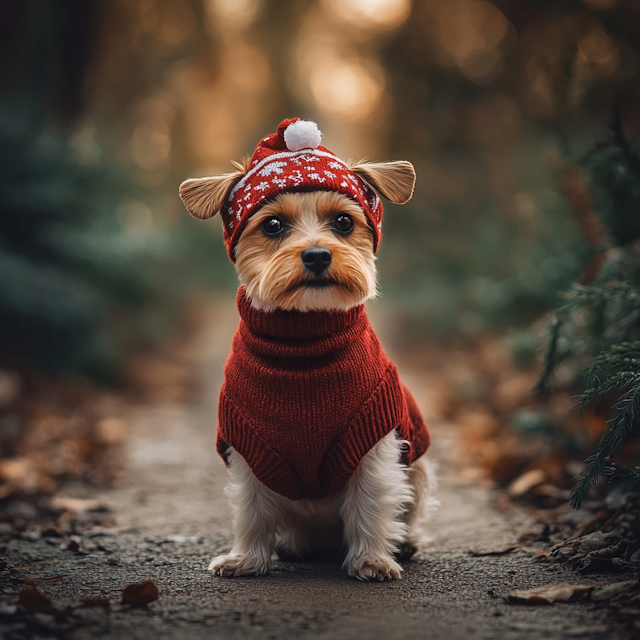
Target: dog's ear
{"x": 393, "y": 180}
{"x": 204, "y": 197}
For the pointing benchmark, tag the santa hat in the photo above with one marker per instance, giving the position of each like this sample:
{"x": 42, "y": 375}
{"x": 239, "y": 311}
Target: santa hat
{"x": 291, "y": 160}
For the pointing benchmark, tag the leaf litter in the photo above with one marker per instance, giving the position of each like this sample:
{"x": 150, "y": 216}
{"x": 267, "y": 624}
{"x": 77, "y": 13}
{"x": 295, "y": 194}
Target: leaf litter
{"x": 565, "y": 592}
{"x": 139, "y": 594}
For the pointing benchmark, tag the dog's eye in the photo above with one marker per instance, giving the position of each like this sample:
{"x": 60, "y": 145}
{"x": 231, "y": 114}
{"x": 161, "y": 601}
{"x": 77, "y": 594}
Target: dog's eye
{"x": 343, "y": 223}
{"x": 272, "y": 226}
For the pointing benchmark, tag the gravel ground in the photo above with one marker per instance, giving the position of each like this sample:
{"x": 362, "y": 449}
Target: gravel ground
{"x": 172, "y": 517}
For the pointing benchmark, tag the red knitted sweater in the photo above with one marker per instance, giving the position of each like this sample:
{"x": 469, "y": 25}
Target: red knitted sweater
{"x": 306, "y": 395}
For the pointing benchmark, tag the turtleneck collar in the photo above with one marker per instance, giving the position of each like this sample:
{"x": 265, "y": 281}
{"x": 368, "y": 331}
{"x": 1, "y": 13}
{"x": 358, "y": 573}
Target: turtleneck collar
{"x": 297, "y": 333}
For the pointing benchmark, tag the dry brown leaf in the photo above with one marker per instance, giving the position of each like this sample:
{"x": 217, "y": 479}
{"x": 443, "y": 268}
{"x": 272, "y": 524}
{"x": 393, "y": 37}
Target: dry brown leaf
{"x": 140, "y": 595}
{"x": 527, "y": 481}
{"x": 33, "y": 601}
{"x": 78, "y": 505}
{"x": 49, "y": 579}
{"x": 111, "y": 431}
{"x": 591, "y": 542}
{"x": 493, "y": 552}
{"x": 613, "y": 590}
{"x": 20, "y": 473}
{"x": 73, "y": 545}
{"x": 548, "y": 594}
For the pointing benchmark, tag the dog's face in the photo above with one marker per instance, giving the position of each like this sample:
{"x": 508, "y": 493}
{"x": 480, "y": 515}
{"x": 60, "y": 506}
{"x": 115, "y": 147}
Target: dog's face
{"x": 307, "y": 251}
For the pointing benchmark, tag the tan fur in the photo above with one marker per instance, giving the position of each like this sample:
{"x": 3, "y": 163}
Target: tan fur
{"x": 393, "y": 180}
{"x": 204, "y": 197}
{"x": 272, "y": 271}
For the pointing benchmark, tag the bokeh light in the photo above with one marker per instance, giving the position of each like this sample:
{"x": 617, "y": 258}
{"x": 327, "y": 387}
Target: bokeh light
{"x": 348, "y": 88}
{"x": 471, "y": 35}
{"x": 223, "y": 15}
{"x": 382, "y": 14}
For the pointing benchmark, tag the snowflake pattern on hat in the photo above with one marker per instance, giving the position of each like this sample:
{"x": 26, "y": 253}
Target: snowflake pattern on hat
{"x": 280, "y": 164}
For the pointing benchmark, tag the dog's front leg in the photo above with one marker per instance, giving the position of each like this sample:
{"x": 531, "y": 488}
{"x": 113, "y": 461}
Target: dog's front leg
{"x": 373, "y": 503}
{"x": 256, "y": 511}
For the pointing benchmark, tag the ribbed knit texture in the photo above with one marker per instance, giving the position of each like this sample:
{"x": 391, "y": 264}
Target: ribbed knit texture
{"x": 307, "y": 395}
{"x": 275, "y": 169}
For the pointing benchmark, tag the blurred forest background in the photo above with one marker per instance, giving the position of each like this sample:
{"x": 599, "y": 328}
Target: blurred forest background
{"x": 519, "y": 117}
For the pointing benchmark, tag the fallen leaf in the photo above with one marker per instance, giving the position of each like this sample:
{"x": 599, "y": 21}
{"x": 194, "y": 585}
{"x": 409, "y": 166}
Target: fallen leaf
{"x": 111, "y": 430}
{"x": 54, "y": 531}
{"x": 79, "y": 505}
{"x": 20, "y": 473}
{"x": 73, "y": 545}
{"x": 181, "y": 539}
{"x": 33, "y": 601}
{"x": 548, "y": 594}
{"x": 527, "y": 481}
{"x": 613, "y": 590}
{"x": 614, "y": 551}
{"x": 100, "y": 531}
{"x": 493, "y": 552}
{"x": 140, "y": 595}
{"x": 593, "y": 541}
{"x": 584, "y": 544}
{"x": 49, "y": 579}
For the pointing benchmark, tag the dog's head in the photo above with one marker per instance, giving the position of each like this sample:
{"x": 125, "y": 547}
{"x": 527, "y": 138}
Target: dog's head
{"x": 301, "y": 226}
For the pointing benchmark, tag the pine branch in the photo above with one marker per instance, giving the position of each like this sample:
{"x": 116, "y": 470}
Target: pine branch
{"x": 629, "y": 480}
{"x": 601, "y": 316}
{"x": 625, "y": 412}
{"x": 551, "y": 360}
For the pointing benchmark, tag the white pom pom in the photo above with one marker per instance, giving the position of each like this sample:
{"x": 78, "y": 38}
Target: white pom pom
{"x": 303, "y": 134}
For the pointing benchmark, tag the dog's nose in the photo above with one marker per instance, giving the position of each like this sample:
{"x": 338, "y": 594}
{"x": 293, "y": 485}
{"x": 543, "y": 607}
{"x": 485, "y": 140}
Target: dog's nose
{"x": 316, "y": 259}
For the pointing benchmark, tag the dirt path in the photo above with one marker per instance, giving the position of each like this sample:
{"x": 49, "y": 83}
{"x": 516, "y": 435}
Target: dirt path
{"x": 172, "y": 517}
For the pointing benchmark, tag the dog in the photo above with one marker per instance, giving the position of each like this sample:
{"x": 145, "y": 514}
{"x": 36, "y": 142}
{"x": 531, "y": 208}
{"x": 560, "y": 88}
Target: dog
{"x": 325, "y": 447}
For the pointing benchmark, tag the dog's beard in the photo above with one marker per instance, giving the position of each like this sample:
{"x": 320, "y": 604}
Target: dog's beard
{"x": 272, "y": 270}
{"x": 285, "y": 284}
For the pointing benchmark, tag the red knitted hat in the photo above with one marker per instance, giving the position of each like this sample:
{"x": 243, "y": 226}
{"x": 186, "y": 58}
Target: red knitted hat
{"x": 292, "y": 159}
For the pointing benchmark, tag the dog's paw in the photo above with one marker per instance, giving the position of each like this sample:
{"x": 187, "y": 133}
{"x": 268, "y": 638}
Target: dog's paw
{"x": 238, "y": 565}
{"x": 372, "y": 568}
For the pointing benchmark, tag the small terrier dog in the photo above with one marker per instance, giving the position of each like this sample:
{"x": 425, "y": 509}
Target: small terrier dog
{"x": 324, "y": 445}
